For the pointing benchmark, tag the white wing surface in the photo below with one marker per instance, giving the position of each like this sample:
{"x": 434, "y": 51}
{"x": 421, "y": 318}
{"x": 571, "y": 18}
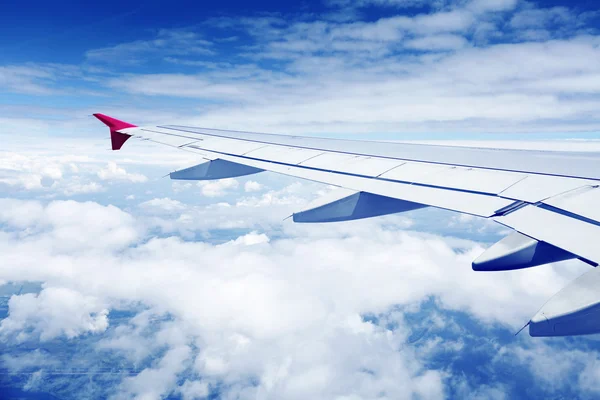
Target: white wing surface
{"x": 548, "y": 198}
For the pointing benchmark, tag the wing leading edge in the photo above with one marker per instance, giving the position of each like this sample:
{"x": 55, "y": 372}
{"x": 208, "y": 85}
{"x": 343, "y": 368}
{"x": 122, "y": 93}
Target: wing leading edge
{"x": 547, "y": 198}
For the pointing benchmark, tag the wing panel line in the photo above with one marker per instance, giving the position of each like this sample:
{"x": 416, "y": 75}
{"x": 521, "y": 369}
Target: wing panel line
{"x": 375, "y": 155}
{"x": 349, "y": 174}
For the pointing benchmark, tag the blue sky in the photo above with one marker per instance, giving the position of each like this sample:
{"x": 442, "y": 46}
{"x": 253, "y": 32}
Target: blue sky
{"x": 427, "y": 69}
{"x": 118, "y": 283}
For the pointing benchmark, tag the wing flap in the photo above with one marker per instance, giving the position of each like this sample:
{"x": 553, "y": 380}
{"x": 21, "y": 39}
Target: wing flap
{"x": 536, "y": 188}
{"x": 352, "y": 164}
{"x": 166, "y": 138}
{"x": 460, "y": 178}
{"x": 282, "y": 154}
{"x": 575, "y": 310}
{"x": 227, "y": 145}
{"x": 582, "y": 202}
{"x": 573, "y": 235}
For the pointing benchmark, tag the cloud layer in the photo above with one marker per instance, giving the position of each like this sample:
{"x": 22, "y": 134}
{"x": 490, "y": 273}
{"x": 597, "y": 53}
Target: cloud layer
{"x": 151, "y": 288}
{"x": 252, "y": 317}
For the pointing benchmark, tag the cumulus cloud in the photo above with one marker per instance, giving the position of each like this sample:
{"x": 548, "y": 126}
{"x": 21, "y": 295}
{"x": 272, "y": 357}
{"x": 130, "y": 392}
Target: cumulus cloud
{"x": 163, "y": 204}
{"x": 57, "y": 172}
{"x": 274, "y": 318}
{"x": 28, "y": 172}
{"x": 252, "y": 186}
{"x": 153, "y": 383}
{"x": 69, "y": 224}
{"x": 217, "y": 188}
{"x": 52, "y": 313}
{"x": 74, "y": 187}
{"x": 251, "y": 239}
{"x": 115, "y": 173}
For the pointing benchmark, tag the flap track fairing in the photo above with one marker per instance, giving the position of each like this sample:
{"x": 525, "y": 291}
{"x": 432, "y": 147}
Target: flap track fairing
{"x": 356, "y": 206}
{"x": 517, "y": 251}
{"x": 215, "y": 169}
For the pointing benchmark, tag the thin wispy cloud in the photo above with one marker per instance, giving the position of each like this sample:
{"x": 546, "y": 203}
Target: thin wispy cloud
{"x": 166, "y": 43}
{"x": 467, "y": 66}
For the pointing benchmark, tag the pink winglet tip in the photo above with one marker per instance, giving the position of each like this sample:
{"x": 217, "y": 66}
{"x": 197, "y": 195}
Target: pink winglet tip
{"x": 117, "y": 139}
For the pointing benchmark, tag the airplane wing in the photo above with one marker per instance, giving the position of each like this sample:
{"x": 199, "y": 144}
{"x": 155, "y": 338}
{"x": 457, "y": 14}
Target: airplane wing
{"x": 549, "y": 199}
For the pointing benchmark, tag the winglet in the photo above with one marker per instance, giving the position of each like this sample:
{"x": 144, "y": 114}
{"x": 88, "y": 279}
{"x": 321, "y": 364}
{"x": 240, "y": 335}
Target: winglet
{"x": 117, "y": 138}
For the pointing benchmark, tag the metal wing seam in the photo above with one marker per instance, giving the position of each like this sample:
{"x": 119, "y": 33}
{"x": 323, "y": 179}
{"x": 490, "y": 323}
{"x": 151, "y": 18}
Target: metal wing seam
{"x": 350, "y": 174}
{"x": 364, "y": 154}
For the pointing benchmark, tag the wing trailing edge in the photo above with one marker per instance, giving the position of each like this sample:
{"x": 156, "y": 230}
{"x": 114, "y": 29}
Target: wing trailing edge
{"x": 575, "y": 310}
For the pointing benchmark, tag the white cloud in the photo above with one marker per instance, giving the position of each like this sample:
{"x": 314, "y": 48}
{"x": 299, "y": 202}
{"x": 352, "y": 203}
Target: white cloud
{"x": 20, "y": 170}
{"x": 438, "y": 42}
{"x": 59, "y": 172}
{"x": 588, "y": 379}
{"x": 541, "y": 17}
{"x": 448, "y": 21}
{"x": 492, "y": 5}
{"x": 217, "y": 188}
{"x": 191, "y": 390}
{"x": 70, "y": 225}
{"x": 25, "y": 181}
{"x": 52, "y": 313}
{"x": 252, "y": 186}
{"x": 166, "y": 43}
{"x": 28, "y": 79}
{"x": 112, "y": 172}
{"x": 255, "y": 304}
{"x": 163, "y": 204}
{"x": 251, "y": 239}
{"x": 34, "y": 359}
{"x": 368, "y": 87}
{"x": 74, "y": 187}
{"x": 570, "y": 369}
{"x": 153, "y": 383}
{"x": 45, "y": 173}
{"x": 354, "y": 75}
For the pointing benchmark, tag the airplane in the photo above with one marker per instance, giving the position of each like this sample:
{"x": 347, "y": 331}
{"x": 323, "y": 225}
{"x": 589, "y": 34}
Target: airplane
{"x": 550, "y": 199}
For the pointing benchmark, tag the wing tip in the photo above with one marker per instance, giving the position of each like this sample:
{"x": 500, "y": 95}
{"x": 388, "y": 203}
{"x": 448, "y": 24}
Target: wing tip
{"x": 113, "y": 123}
{"x": 117, "y": 138}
